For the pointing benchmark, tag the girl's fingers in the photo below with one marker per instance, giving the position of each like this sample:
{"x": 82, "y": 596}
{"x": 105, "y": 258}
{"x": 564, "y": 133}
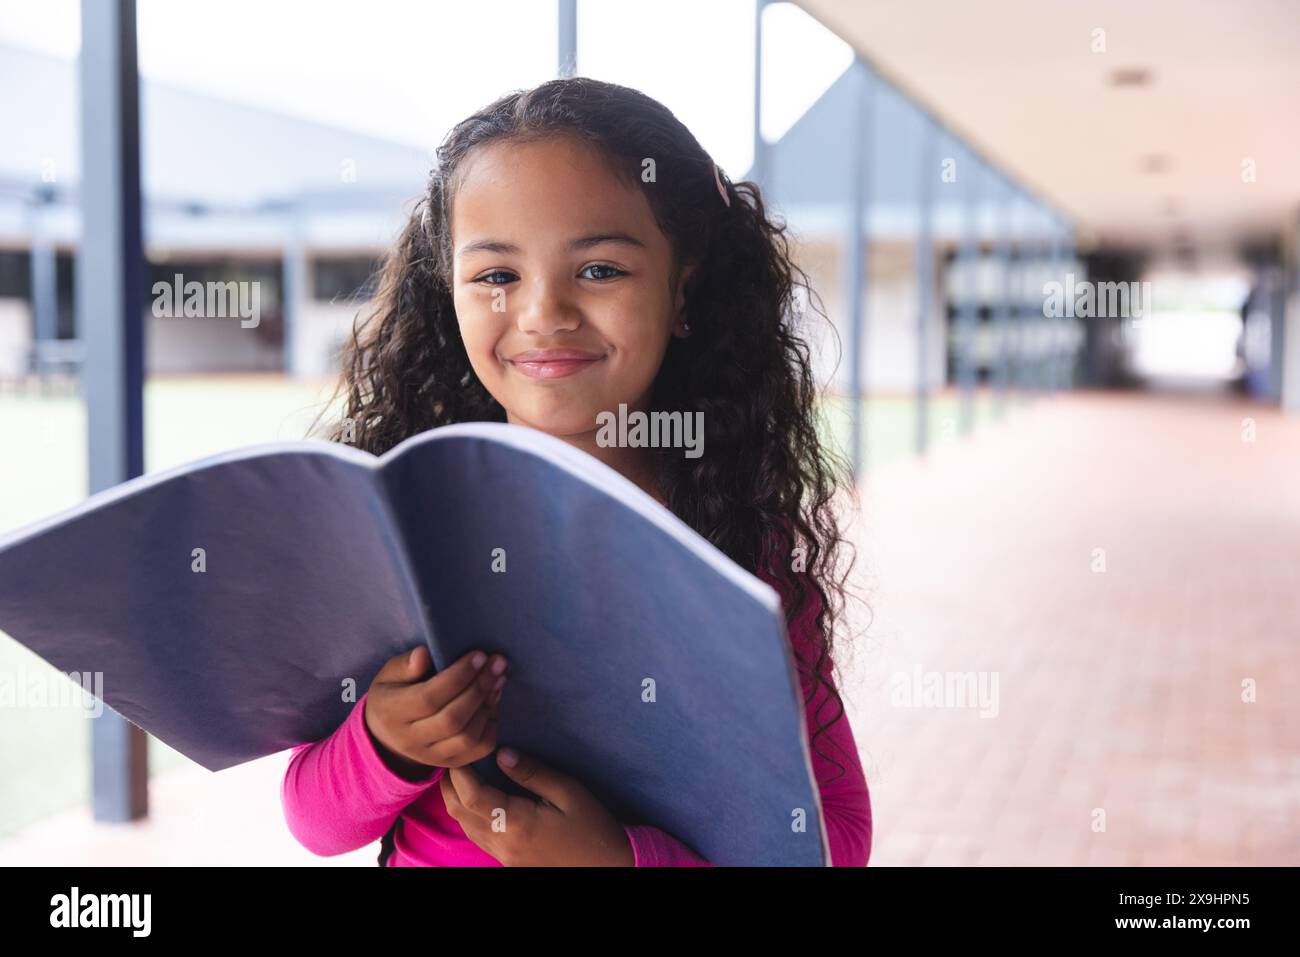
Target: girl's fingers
{"x": 476, "y": 798}
{"x": 457, "y": 714}
{"x": 405, "y": 667}
{"x": 477, "y": 740}
{"x": 432, "y": 695}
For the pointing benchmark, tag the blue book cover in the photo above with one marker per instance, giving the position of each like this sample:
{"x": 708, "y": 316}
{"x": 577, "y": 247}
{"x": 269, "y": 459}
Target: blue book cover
{"x": 643, "y": 661}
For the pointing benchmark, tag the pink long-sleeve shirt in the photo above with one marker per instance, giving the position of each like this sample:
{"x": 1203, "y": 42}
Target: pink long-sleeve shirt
{"x": 339, "y": 795}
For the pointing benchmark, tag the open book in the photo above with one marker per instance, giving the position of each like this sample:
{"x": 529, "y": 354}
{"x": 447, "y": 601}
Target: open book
{"x": 643, "y": 661}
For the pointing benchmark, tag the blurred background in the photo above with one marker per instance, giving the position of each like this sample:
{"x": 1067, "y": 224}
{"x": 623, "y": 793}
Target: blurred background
{"x": 1058, "y": 246}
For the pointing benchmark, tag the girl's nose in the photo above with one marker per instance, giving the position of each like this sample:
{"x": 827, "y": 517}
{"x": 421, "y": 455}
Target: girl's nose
{"x": 546, "y": 310}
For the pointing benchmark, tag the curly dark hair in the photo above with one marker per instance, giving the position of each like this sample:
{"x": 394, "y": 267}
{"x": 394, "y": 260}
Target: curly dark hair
{"x": 766, "y": 487}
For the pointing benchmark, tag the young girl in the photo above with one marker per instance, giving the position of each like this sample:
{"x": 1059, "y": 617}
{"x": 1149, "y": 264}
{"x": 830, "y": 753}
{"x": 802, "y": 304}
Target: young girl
{"x": 576, "y": 250}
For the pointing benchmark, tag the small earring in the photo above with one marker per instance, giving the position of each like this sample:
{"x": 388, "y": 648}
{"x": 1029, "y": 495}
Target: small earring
{"x": 686, "y": 326}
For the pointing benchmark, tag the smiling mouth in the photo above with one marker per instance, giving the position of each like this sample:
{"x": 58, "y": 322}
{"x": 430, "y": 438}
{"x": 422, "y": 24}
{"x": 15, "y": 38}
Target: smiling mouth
{"x": 552, "y": 368}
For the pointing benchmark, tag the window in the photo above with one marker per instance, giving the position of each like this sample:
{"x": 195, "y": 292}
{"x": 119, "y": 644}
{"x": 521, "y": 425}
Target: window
{"x": 344, "y": 278}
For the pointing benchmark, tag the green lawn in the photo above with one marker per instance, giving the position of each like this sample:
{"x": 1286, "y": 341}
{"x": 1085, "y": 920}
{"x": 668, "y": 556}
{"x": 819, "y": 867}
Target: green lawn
{"x": 889, "y": 423}
{"x": 44, "y": 751}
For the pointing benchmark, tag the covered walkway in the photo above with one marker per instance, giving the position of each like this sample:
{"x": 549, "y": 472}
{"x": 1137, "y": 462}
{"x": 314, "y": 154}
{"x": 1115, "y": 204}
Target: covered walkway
{"x": 1119, "y": 690}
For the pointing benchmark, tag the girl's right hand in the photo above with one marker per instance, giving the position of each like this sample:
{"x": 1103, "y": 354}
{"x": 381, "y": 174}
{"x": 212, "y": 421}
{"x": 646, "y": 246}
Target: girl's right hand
{"x": 449, "y": 720}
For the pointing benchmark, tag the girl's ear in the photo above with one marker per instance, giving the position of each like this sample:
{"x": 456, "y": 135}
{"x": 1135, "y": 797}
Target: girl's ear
{"x": 680, "y": 327}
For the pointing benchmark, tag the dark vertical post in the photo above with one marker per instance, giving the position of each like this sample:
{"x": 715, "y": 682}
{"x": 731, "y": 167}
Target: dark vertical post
{"x": 1015, "y": 281}
{"x": 1274, "y": 293}
{"x": 1047, "y": 328}
{"x": 1028, "y": 318}
{"x": 1030, "y": 327}
{"x": 968, "y": 311}
{"x": 1289, "y": 347}
{"x": 1079, "y": 357}
{"x": 1002, "y": 310}
{"x": 1055, "y": 326}
{"x": 1061, "y": 335}
{"x": 110, "y": 303}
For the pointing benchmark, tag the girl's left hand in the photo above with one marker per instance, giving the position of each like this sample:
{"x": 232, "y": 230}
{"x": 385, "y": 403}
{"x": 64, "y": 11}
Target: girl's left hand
{"x": 567, "y": 827}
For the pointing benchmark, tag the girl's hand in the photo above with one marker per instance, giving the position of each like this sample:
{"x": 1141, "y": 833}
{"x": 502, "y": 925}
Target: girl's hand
{"x": 420, "y": 724}
{"x": 567, "y": 827}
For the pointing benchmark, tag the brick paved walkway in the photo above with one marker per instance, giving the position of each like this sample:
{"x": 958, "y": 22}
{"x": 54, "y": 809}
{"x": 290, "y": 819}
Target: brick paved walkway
{"x": 1119, "y": 691}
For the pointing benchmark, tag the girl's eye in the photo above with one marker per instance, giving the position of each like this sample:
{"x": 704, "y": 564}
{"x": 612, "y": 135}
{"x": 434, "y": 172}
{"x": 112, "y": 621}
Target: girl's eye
{"x": 611, "y": 272}
{"x": 499, "y": 277}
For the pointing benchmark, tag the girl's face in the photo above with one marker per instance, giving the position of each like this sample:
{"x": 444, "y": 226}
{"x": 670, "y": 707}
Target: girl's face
{"x": 563, "y": 283}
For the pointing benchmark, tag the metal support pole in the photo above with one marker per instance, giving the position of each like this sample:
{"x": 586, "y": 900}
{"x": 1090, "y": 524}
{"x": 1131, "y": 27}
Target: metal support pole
{"x": 1016, "y": 312}
{"x": 968, "y": 312}
{"x": 858, "y": 253}
{"x": 924, "y": 280}
{"x": 759, "y": 170}
{"x": 1274, "y": 290}
{"x": 44, "y": 279}
{"x": 1031, "y": 335}
{"x": 567, "y": 60}
{"x": 1289, "y": 347}
{"x": 294, "y": 293}
{"x": 1002, "y": 312}
{"x": 1076, "y": 266}
{"x": 110, "y": 304}
{"x": 1055, "y": 327}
